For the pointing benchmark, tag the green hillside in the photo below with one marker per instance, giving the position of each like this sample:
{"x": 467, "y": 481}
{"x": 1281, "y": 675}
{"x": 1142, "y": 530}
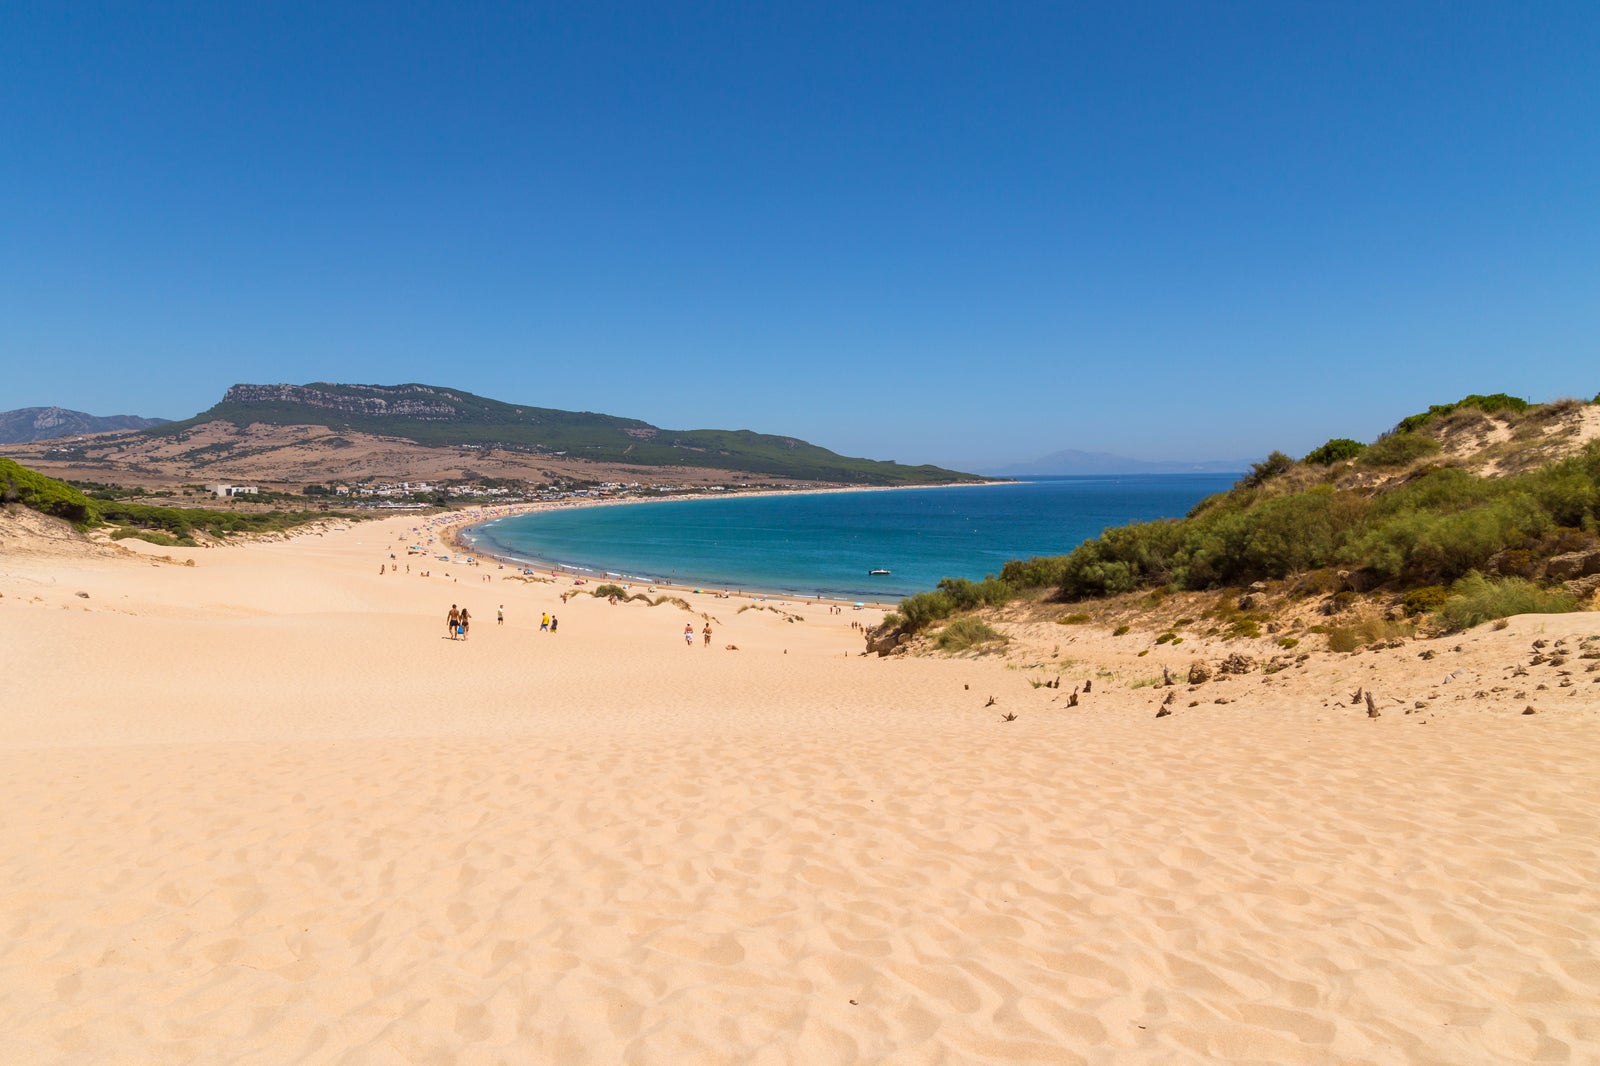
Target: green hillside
{"x": 1468, "y": 511}
{"x": 160, "y": 525}
{"x": 435, "y": 416}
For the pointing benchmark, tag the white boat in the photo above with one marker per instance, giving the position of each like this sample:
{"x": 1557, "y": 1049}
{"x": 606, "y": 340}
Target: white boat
{"x": 877, "y": 573}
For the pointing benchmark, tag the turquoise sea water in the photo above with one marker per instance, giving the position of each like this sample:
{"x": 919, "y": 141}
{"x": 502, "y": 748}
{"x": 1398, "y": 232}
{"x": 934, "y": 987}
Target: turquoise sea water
{"x": 825, "y": 543}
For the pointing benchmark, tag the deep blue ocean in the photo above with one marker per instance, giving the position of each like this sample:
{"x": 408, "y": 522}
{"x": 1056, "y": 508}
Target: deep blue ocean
{"x": 824, "y": 543}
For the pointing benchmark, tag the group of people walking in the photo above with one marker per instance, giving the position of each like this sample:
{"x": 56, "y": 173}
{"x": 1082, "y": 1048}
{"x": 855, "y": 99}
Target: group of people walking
{"x": 459, "y": 621}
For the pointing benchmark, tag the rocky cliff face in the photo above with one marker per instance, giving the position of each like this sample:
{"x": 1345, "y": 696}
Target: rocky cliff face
{"x": 44, "y": 423}
{"x": 374, "y": 401}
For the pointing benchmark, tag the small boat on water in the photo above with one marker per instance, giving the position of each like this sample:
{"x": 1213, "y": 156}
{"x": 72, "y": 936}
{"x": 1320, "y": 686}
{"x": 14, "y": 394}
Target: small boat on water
{"x": 877, "y": 573}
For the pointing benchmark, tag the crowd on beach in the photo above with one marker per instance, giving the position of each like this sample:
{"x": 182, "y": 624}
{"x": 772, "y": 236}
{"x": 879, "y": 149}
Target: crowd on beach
{"x": 435, "y": 537}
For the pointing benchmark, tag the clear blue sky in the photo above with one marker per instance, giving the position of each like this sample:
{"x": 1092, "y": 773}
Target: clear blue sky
{"x": 959, "y": 233}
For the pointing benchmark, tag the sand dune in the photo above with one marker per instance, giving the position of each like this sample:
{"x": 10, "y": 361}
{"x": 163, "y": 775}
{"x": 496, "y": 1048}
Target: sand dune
{"x": 260, "y": 810}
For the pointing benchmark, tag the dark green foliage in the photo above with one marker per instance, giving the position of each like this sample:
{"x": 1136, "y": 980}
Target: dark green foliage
{"x": 1040, "y": 571}
{"x": 606, "y": 590}
{"x": 1266, "y": 470}
{"x": 1490, "y": 404}
{"x": 1123, "y": 559}
{"x": 925, "y": 608}
{"x": 1398, "y": 449}
{"x": 966, "y": 595}
{"x": 1432, "y": 529}
{"x": 32, "y": 489}
{"x": 1336, "y": 450}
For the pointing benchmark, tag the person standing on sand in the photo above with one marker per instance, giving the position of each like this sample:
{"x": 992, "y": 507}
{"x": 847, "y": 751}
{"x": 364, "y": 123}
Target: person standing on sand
{"x": 706, "y": 632}
{"x": 500, "y": 615}
{"x": 688, "y": 635}
{"x": 553, "y": 623}
{"x": 466, "y": 620}
{"x": 544, "y": 623}
{"x": 453, "y": 621}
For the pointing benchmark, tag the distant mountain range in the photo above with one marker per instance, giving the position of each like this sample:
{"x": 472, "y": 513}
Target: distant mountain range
{"x": 438, "y": 417}
{"x": 43, "y": 423}
{"x": 1069, "y": 462}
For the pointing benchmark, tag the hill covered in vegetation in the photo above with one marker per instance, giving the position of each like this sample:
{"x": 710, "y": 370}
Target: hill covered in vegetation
{"x": 440, "y": 417}
{"x": 159, "y": 525}
{"x": 1468, "y": 511}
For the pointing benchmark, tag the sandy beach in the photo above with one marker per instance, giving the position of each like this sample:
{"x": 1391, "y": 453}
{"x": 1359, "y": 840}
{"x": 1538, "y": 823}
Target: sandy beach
{"x": 258, "y": 808}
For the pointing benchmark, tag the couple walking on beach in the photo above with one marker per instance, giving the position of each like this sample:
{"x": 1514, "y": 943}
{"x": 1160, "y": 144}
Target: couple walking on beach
{"x": 458, "y": 621}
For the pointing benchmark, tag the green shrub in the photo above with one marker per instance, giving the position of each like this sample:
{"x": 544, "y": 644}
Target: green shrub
{"x": 1120, "y": 630}
{"x": 1040, "y": 571}
{"x": 1245, "y": 627}
{"x": 1424, "y": 600}
{"x": 1264, "y": 471}
{"x": 1287, "y": 642}
{"x": 608, "y": 590}
{"x": 1489, "y": 405}
{"x": 1334, "y": 451}
{"x": 1476, "y": 599}
{"x": 1168, "y": 637}
{"x": 34, "y": 490}
{"x": 925, "y": 608}
{"x": 1398, "y": 449}
{"x": 965, "y": 595}
{"x": 965, "y": 633}
{"x": 1076, "y": 619}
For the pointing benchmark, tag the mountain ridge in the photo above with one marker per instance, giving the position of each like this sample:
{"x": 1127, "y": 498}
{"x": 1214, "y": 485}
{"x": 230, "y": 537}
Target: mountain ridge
{"x": 27, "y": 424}
{"x": 438, "y": 416}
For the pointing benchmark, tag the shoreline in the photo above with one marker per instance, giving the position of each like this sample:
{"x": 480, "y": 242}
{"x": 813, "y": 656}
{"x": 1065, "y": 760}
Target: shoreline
{"x": 458, "y": 536}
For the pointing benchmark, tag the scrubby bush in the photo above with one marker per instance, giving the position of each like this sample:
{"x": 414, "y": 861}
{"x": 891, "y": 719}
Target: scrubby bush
{"x": 966, "y": 595}
{"x": 608, "y": 590}
{"x": 925, "y": 608}
{"x": 1476, "y": 599}
{"x": 1398, "y": 449}
{"x": 1040, "y": 571}
{"x": 1336, "y": 450}
{"x": 1424, "y": 600}
{"x": 1264, "y": 471}
{"x": 965, "y": 633}
{"x": 1368, "y": 631}
{"x": 1489, "y": 405}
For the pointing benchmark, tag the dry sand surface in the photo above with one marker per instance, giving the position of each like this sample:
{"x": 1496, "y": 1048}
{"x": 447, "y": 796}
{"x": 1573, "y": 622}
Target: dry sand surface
{"x": 260, "y": 810}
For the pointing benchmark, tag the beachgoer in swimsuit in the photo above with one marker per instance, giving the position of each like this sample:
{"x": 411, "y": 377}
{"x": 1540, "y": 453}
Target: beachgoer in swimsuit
{"x": 466, "y": 620}
{"x": 553, "y": 623}
{"x": 500, "y": 615}
{"x": 454, "y": 621}
{"x": 707, "y": 634}
{"x": 688, "y": 635}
